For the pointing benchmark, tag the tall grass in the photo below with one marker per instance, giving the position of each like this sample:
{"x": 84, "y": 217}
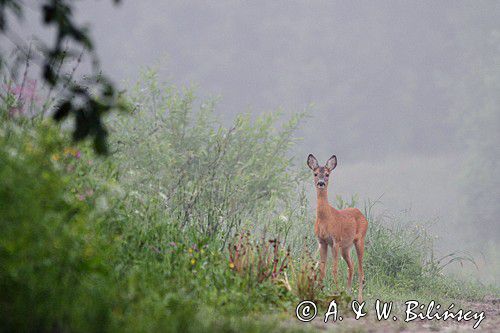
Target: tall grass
{"x": 400, "y": 256}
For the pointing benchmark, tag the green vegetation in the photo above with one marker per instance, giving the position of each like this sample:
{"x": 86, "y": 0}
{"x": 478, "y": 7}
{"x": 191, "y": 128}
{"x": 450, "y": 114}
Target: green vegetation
{"x": 170, "y": 233}
{"x": 96, "y": 95}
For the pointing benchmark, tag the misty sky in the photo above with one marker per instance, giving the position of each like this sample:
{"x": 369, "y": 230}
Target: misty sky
{"x": 405, "y": 93}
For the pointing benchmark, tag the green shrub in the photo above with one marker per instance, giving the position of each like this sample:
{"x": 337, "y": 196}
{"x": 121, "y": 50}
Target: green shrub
{"x": 52, "y": 263}
{"x": 205, "y": 175}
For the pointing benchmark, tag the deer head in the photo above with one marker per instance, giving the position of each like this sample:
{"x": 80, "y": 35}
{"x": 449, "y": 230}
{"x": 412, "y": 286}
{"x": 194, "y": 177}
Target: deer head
{"x": 321, "y": 173}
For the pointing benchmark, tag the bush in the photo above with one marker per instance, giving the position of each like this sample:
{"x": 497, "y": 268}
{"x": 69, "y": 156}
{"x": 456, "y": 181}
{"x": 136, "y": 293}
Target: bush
{"x": 52, "y": 272}
{"x": 187, "y": 185}
{"x": 205, "y": 175}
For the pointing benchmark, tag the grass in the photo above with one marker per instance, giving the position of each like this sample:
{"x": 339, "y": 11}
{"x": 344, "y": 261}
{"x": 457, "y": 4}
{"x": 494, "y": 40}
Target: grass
{"x": 147, "y": 238}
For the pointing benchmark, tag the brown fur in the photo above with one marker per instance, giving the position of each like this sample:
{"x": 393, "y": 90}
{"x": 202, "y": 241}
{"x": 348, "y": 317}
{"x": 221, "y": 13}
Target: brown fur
{"x": 339, "y": 229}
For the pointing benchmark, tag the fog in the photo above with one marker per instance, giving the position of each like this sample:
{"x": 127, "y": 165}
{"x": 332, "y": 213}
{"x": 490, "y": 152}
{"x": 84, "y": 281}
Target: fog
{"x": 406, "y": 94}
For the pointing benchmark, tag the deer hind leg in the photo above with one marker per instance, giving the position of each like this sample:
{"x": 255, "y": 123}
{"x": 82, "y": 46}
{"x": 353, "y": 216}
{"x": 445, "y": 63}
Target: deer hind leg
{"x": 360, "y": 249}
{"x": 346, "y": 254}
{"x": 323, "y": 254}
{"x": 335, "y": 255}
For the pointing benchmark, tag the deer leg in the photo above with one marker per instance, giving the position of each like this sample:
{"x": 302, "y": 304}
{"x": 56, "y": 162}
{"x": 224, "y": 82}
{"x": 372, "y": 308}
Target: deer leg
{"x": 360, "y": 249}
{"x": 323, "y": 253}
{"x": 346, "y": 254}
{"x": 335, "y": 255}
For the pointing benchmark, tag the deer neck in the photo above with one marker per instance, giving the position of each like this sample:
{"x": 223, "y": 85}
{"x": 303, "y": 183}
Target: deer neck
{"x": 323, "y": 210}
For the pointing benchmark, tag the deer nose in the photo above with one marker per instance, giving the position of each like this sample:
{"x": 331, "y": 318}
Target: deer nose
{"x": 321, "y": 183}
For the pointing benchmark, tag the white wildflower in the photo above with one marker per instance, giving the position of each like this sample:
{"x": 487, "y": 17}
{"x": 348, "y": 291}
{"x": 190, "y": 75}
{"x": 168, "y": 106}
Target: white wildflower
{"x": 283, "y": 218}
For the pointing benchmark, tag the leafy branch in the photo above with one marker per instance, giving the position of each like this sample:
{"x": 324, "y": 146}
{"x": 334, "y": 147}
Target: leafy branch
{"x": 86, "y": 102}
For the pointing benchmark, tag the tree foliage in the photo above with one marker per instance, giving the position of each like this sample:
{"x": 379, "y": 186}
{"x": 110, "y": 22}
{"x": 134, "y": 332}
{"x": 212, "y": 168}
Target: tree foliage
{"x": 85, "y": 101}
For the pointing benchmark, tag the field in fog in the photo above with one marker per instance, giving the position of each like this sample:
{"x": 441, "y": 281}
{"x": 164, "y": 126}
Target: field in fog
{"x": 201, "y": 216}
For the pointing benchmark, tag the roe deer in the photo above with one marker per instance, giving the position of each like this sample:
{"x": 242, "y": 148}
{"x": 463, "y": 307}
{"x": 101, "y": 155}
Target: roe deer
{"x": 338, "y": 228}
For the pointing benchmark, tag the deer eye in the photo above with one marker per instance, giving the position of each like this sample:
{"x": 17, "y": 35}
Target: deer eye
{"x": 315, "y": 175}
{"x": 326, "y": 175}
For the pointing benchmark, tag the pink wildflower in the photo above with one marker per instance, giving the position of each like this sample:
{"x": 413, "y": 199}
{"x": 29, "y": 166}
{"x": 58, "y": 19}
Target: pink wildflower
{"x": 16, "y": 111}
{"x": 26, "y": 92}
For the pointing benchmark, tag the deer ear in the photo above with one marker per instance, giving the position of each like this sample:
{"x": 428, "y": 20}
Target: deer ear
{"x": 312, "y": 162}
{"x": 331, "y": 163}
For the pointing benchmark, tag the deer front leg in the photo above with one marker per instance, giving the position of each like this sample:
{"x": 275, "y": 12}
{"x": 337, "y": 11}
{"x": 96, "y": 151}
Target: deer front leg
{"x": 335, "y": 255}
{"x": 346, "y": 254}
{"x": 323, "y": 253}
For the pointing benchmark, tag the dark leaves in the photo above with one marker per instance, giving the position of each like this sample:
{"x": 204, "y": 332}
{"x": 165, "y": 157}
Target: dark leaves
{"x": 81, "y": 36}
{"x": 88, "y": 111}
{"x": 62, "y": 111}
{"x": 100, "y": 145}
{"x": 3, "y": 22}
{"x": 49, "y": 75}
{"x": 14, "y": 7}
{"x": 82, "y": 124}
{"x": 48, "y": 13}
